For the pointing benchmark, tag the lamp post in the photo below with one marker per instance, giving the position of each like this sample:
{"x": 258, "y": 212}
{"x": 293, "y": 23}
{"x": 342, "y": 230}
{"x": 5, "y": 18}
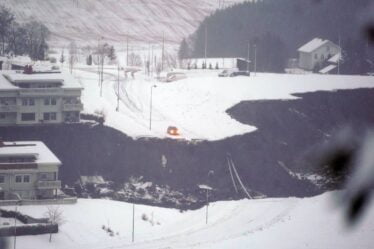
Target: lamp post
{"x": 117, "y": 109}
{"x": 150, "y": 108}
{"x": 207, "y": 188}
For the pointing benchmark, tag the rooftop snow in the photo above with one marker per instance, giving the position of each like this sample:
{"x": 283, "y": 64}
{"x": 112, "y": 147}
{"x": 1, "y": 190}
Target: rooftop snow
{"x": 30, "y": 148}
{"x": 335, "y": 58}
{"x": 66, "y": 79}
{"x": 327, "y": 69}
{"x": 312, "y": 45}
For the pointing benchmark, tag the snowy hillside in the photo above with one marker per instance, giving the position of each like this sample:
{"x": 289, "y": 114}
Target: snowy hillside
{"x": 142, "y": 20}
{"x": 197, "y": 105}
{"x": 266, "y": 223}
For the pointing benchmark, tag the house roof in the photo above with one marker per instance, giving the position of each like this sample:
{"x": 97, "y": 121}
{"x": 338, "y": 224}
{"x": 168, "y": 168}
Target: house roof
{"x": 7, "y": 77}
{"x": 335, "y": 58}
{"x": 35, "y": 149}
{"x": 312, "y": 45}
{"x": 327, "y": 69}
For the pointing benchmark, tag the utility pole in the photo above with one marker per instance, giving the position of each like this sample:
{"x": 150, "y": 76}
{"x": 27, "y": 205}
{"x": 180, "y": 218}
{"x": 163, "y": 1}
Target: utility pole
{"x": 207, "y": 205}
{"x": 341, "y": 54}
{"x": 127, "y": 50}
{"x": 248, "y": 49}
{"x": 117, "y": 109}
{"x": 150, "y": 108}
{"x": 133, "y": 222}
{"x": 163, "y": 50}
{"x": 206, "y": 41}
{"x": 98, "y": 60}
{"x": 15, "y": 228}
{"x": 255, "y": 69}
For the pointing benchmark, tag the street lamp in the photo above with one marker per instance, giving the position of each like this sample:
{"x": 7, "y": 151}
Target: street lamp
{"x": 150, "y": 108}
{"x": 207, "y": 188}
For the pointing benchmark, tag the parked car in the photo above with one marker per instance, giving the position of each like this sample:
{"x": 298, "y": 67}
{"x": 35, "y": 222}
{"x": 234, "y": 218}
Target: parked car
{"x": 233, "y": 73}
{"x": 240, "y": 73}
{"x": 173, "y": 76}
{"x": 227, "y": 72}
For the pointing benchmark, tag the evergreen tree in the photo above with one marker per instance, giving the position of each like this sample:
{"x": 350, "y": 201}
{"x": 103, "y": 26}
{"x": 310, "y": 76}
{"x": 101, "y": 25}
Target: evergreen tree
{"x": 62, "y": 57}
{"x": 111, "y": 54}
{"x": 6, "y": 20}
{"x": 89, "y": 60}
{"x": 183, "y": 52}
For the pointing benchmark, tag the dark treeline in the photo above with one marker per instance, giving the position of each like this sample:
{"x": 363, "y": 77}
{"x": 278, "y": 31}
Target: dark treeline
{"x": 279, "y": 27}
{"x": 22, "y": 39}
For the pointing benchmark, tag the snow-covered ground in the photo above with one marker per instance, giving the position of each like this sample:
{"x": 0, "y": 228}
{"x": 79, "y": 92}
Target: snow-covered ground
{"x": 264, "y": 223}
{"x": 196, "y": 105}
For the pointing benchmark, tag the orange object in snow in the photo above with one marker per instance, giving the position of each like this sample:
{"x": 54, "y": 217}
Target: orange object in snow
{"x": 172, "y": 130}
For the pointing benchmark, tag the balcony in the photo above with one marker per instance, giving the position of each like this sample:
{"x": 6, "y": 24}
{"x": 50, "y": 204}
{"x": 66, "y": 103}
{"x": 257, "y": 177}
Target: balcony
{"x": 48, "y": 184}
{"x": 72, "y": 107}
{"x": 41, "y": 92}
{"x": 9, "y": 108}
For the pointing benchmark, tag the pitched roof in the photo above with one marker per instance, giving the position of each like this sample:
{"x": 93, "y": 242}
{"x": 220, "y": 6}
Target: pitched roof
{"x": 312, "y": 45}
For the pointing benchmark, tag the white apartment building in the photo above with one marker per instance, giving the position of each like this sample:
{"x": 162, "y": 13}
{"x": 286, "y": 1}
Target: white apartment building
{"x": 28, "y": 170}
{"x": 38, "y": 98}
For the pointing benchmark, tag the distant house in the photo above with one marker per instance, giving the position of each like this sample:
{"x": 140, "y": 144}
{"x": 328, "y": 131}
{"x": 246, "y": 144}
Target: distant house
{"x": 316, "y": 53}
{"x": 216, "y": 63}
{"x": 28, "y": 170}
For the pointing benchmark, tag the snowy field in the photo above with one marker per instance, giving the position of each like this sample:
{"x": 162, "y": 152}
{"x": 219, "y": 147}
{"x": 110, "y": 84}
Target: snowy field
{"x": 196, "y": 105}
{"x": 265, "y": 223}
{"x": 115, "y": 20}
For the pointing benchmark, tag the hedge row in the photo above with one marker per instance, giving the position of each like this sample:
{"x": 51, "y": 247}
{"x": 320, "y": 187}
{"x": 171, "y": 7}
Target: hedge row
{"x": 21, "y": 217}
{"x": 33, "y": 229}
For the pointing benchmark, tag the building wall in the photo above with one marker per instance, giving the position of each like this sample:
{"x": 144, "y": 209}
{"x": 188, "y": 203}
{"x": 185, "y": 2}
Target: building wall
{"x": 29, "y": 190}
{"x": 36, "y": 105}
{"x": 305, "y": 61}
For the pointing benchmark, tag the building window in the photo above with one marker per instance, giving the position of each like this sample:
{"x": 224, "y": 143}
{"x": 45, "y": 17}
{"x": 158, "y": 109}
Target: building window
{"x": 47, "y": 102}
{"x": 28, "y": 116}
{"x": 322, "y": 57}
{"x": 328, "y": 48}
{"x": 18, "y": 179}
{"x": 49, "y": 116}
{"x": 26, "y": 178}
{"x": 53, "y": 101}
{"x": 316, "y": 56}
{"x": 2, "y": 179}
{"x": 26, "y": 102}
{"x": 2, "y": 116}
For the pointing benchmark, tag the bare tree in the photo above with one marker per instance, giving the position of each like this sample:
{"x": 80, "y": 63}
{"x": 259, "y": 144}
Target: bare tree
{"x": 55, "y": 216}
{"x": 6, "y": 19}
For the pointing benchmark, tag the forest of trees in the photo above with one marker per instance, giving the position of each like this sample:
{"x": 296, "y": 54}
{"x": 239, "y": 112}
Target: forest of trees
{"x": 22, "y": 39}
{"x": 277, "y": 28}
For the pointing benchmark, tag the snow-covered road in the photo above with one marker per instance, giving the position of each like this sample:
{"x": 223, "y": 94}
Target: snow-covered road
{"x": 265, "y": 223}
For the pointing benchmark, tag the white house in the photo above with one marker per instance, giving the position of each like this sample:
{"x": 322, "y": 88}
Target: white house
{"x": 39, "y": 98}
{"x": 316, "y": 52}
{"x": 28, "y": 170}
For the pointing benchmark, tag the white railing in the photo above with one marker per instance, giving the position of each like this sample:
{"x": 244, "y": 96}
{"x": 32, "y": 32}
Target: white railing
{"x": 8, "y": 108}
{"x": 73, "y": 107}
{"x": 48, "y": 184}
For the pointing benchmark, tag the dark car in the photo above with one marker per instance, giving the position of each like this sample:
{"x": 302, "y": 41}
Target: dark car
{"x": 240, "y": 73}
